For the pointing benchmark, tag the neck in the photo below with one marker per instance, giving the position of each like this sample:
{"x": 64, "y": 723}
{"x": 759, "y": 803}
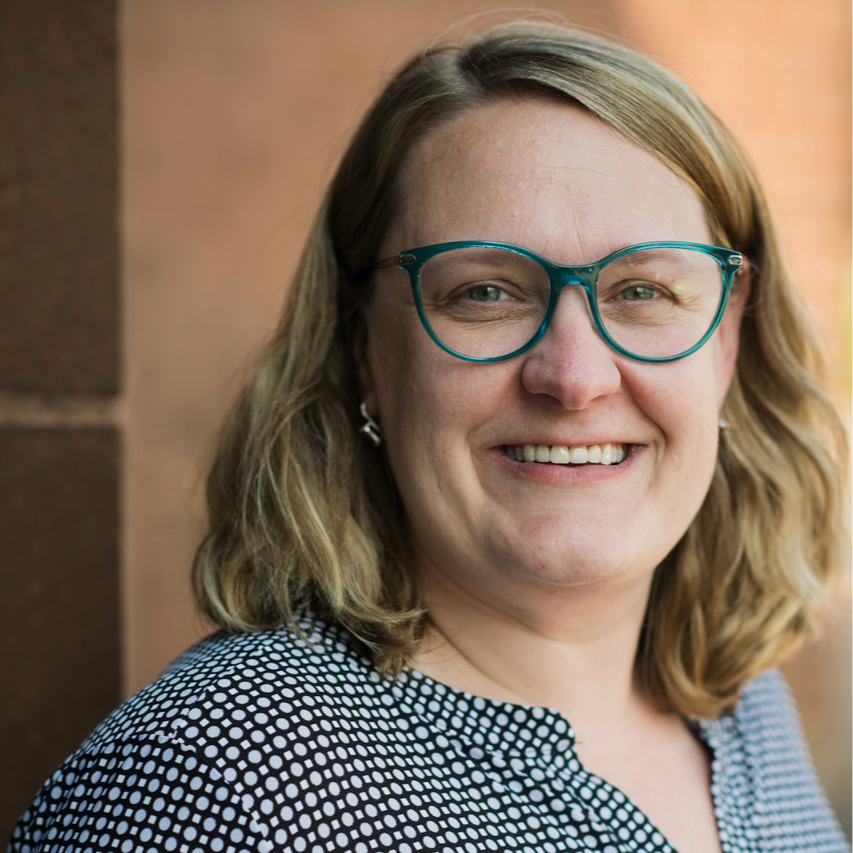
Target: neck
{"x": 568, "y": 649}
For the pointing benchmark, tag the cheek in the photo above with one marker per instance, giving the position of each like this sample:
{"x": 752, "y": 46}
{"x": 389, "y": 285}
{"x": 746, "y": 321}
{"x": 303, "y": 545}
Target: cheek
{"x": 411, "y": 392}
{"x": 434, "y": 399}
{"x": 724, "y": 345}
{"x": 419, "y": 388}
{"x": 389, "y": 356}
{"x": 681, "y": 398}
{"x": 726, "y": 363}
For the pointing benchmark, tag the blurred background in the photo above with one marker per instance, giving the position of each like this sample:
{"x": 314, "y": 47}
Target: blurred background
{"x": 160, "y": 163}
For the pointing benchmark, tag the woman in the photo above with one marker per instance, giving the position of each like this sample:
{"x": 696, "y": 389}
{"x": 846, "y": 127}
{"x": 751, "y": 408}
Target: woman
{"x": 533, "y": 605}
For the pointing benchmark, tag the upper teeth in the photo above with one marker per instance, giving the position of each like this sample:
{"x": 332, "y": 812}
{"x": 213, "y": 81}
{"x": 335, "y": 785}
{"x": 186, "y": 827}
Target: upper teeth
{"x": 558, "y": 454}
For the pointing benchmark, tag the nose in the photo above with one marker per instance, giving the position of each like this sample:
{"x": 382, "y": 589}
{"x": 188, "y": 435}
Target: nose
{"x": 571, "y": 362}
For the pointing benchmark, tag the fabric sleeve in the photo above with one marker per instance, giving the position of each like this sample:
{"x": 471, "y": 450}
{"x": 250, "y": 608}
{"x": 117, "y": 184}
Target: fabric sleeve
{"x": 791, "y": 811}
{"x": 138, "y": 796}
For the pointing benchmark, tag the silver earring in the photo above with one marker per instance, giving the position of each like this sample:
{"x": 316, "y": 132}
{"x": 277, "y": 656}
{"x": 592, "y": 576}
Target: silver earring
{"x": 370, "y": 428}
{"x": 723, "y": 424}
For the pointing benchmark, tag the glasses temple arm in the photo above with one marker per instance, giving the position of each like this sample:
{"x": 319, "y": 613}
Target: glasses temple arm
{"x": 388, "y": 262}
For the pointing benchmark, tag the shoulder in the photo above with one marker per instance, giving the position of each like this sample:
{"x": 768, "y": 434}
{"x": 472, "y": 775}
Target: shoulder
{"x": 766, "y": 710}
{"x": 764, "y": 773}
{"x": 767, "y": 725}
{"x": 226, "y": 678}
{"x": 184, "y": 757}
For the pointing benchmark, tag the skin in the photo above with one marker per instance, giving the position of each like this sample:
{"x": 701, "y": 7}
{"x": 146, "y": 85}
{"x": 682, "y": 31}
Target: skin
{"x": 536, "y": 576}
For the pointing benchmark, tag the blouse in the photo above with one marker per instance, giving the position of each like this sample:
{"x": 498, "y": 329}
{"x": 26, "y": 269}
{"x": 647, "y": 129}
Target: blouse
{"x": 287, "y": 740}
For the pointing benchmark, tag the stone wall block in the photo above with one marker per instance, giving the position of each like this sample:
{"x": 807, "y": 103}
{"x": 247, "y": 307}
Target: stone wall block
{"x": 59, "y": 632}
{"x": 59, "y": 329}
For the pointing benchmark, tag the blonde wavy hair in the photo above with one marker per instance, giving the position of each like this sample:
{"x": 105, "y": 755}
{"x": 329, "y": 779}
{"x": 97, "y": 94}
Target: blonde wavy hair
{"x": 305, "y": 517}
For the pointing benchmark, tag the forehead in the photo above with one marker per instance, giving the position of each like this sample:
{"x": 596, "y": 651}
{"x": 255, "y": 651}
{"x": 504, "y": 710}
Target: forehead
{"x": 550, "y": 176}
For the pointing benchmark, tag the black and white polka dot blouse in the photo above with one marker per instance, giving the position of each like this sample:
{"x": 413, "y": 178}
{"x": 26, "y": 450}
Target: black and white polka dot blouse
{"x": 266, "y": 742}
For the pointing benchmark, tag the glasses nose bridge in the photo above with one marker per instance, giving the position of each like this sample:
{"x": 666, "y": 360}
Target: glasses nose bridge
{"x": 563, "y": 276}
{"x": 582, "y": 277}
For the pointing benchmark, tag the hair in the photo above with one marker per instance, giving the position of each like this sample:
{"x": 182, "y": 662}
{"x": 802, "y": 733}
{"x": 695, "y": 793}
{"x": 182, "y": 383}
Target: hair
{"x": 304, "y": 517}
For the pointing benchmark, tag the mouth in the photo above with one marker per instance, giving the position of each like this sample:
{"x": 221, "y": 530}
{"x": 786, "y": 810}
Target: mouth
{"x": 558, "y": 454}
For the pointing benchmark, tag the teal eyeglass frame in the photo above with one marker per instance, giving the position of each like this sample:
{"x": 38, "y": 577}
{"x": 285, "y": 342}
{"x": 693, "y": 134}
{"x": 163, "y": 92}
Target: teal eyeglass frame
{"x": 559, "y": 276}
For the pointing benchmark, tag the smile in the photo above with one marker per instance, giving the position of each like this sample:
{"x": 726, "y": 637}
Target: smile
{"x": 557, "y": 454}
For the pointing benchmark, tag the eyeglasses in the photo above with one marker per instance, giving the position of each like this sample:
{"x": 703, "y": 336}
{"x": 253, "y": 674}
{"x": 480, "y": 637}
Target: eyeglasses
{"x": 482, "y": 301}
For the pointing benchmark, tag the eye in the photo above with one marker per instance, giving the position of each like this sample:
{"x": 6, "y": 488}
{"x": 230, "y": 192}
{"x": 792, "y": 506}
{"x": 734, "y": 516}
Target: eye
{"x": 485, "y": 293}
{"x": 637, "y": 292}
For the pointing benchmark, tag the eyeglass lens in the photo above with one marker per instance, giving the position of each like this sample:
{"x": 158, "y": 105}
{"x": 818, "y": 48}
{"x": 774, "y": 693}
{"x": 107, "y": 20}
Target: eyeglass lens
{"x": 485, "y": 302}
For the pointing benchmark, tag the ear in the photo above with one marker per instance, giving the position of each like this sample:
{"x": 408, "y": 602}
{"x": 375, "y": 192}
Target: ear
{"x": 728, "y": 332}
{"x": 360, "y": 352}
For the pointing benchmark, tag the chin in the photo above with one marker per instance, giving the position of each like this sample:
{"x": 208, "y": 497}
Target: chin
{"x": 581, "y": 566}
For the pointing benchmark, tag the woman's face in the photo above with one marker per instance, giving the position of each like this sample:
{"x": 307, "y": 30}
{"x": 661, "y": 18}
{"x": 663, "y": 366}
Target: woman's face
{"x": 554, "y": 179}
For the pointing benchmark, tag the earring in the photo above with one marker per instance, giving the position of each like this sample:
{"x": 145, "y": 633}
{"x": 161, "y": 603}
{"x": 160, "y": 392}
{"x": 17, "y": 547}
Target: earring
{"x": 723, "y": 424}
{"x": 370, "y": 428}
